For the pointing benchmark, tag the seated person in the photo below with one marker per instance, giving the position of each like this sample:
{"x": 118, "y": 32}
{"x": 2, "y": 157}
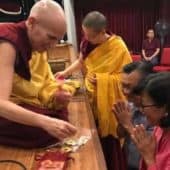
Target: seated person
{"x": 155, "y": 148}
{"x": 151, "y": 48}
{"x": 30, "y": 96}
{"x": 132, "y": 76}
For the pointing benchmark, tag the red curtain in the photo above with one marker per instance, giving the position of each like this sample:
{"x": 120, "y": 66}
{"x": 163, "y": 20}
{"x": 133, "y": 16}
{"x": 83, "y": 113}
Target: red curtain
{"x": 128, "y": 18}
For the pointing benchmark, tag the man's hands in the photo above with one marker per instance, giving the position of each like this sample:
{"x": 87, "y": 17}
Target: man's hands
{"x": 145, "y": 143}
{"x": 61, "y": 74}
{"x": 123, "y": 115}
{"x": 62, "y": 96}
{"x": 58, "y": 128}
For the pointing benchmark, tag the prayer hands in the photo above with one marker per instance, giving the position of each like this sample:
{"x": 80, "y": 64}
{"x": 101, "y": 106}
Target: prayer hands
{"x": 123, "y": 115}
{"x": 59, "y": 128}
{"x": 145, "y": 143}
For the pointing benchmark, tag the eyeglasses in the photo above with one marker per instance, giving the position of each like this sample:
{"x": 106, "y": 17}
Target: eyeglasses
{"x": 149, "y": 105}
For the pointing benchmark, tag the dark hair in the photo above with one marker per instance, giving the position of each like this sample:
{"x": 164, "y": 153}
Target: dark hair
{"x": 128, "y": 68}
{"x": 95, "y": 20}
{"x": 158, "y": 88}
{"x": 143, "y": 68}
{"x": 142, "y": 84}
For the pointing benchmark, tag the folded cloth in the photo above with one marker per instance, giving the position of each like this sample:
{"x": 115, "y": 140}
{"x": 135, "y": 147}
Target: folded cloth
{"x": 54, "y": 160}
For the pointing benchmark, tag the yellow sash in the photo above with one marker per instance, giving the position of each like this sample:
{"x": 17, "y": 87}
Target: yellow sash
{"x": 106, "y": 62}
{"x": 42, "y": 86}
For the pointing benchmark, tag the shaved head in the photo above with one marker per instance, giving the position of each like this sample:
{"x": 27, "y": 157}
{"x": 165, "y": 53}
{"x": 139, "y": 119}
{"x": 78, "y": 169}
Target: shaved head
{"x": 49, "y": 17}
{"x": 47, "y": 11}
{"x": 95, "y": 20}
{"x": 44, "y": 6}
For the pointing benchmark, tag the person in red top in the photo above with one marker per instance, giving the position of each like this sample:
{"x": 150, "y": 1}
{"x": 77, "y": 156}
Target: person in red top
{"x": 155, "y": 104}
{"x": 151, "y": 48}
{"x": 45, "y": 25}
{"x": 155, "y": 149}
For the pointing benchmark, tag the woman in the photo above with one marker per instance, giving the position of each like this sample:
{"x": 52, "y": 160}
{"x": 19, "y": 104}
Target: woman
{"x": 155, "y": 149}
{"x": 155, "y": 104}
{"x": 151, "y": 48}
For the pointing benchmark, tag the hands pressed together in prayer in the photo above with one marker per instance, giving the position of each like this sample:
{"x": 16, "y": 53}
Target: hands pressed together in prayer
{"x": 123, "y": 115}
{"x": 145, "y": 142}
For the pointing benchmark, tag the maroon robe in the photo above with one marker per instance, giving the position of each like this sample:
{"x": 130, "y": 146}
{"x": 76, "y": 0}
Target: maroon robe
{"x": 86, "y": 47}
{"x": 16, "y": 34}
{"x": 12, "y": 133}
{"x": 150, "y": 46}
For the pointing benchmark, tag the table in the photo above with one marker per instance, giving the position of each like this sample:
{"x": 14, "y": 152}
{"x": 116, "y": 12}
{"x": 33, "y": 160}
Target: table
{"x": 88, "y": 157}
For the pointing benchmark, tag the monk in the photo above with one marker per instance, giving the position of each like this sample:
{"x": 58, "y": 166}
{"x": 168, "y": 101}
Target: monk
{"x": 29, "y": 97}
{"x": 104, "y": 56}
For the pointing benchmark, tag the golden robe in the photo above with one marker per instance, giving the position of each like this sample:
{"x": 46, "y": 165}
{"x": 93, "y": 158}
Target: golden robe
{"x": 106, "y": 62}
{"x": 40, "y": 90}
{"x": 36, "y": 95}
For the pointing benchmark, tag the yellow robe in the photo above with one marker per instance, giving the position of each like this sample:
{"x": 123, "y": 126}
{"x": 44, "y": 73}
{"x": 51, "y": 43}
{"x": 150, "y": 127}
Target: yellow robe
{"x": 40, "y": 90}
{"x": 106, "y": 62}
